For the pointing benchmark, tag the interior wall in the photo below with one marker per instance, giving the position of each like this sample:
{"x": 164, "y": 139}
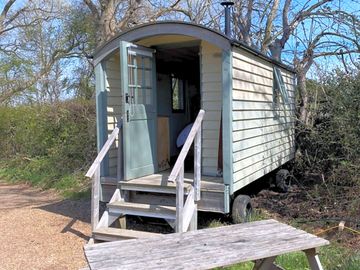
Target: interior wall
{"x": 177, "y": 120}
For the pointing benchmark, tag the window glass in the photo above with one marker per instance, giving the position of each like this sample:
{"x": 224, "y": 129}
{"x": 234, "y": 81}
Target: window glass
{"x": 279, "y": 89}
{"x": 177, "y": 94}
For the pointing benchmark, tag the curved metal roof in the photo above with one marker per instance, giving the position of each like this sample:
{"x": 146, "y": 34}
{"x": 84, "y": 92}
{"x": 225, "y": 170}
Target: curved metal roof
{"x": 177, "y": 28}
{"x": 163, "y": 28}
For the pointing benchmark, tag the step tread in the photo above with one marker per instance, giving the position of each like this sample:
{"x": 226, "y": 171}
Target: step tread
{"x": 160, "y": 180}
{"x": 143, "y": 207}
{"x": 122, "y": 233}
{"x": 153, "y": 184}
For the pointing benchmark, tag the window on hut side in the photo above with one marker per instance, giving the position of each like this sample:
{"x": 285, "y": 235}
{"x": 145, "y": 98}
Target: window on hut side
{"x": 177, "y": 94}
{"x": 279, "y": 89}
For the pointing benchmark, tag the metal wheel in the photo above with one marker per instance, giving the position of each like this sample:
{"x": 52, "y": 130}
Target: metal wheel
{"x": 282, "y": 180}
{"x": 241, "y": 209}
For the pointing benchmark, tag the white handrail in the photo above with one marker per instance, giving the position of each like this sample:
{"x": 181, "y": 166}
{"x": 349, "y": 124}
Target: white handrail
{"x": 99, "y": 158}
{"x": 187, "y": 213}
{"x": 185, "y": 149}
{"x": 94, "y": 173}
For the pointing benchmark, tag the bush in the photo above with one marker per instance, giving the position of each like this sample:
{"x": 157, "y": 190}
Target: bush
{"x": 330, "y": 149}
{"x": 45, "y": 143}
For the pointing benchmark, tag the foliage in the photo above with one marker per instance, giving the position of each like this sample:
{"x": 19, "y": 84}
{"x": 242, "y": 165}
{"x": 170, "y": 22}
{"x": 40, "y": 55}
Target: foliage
{"x": 48, "y": 145}
{"x": 330, "y": 150}
{"x": 332, "y": 258}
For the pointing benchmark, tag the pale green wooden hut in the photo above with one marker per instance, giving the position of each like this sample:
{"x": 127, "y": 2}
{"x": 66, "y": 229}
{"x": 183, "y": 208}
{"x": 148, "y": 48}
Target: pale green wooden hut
{"x": 151, "y": 82}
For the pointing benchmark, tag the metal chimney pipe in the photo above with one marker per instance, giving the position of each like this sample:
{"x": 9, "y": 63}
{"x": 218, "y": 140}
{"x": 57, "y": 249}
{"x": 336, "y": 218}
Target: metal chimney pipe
{"x": 227, "y": 5}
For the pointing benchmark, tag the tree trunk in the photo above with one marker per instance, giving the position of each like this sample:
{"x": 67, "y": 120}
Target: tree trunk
{"x": 303, "y": 112}
{"x": 276, "y": 50}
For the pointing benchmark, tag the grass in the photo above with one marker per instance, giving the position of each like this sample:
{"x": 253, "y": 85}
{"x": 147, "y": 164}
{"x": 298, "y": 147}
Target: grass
{"x": 39, "y": 172}
{"x": 333, "y": 257}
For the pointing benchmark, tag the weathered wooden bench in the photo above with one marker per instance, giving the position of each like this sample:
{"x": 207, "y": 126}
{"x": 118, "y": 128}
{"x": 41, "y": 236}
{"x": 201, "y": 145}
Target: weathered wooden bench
{"x": 260, "y": 241}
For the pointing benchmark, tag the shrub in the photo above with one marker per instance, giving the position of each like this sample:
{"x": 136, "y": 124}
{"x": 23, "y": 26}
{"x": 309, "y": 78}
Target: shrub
{"x": 45, "y": 143}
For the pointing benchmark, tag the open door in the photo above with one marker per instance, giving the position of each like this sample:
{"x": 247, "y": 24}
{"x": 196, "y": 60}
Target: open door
{"x": 139, "y": 110}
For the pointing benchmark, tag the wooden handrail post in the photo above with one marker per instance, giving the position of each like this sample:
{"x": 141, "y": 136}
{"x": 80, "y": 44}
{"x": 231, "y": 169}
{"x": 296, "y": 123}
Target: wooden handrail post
{"x": 197, "y": 165}
{"x": 95, "y": 192}
{"x": 180, "y": 200}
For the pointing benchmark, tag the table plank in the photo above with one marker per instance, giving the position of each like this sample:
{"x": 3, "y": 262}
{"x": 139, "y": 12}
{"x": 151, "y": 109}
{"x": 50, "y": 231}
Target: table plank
{"x": 203, "y": 249}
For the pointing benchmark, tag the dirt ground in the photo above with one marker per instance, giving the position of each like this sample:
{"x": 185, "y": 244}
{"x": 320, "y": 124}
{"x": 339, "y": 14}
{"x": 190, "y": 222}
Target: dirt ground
{"x": 39, "y": 230}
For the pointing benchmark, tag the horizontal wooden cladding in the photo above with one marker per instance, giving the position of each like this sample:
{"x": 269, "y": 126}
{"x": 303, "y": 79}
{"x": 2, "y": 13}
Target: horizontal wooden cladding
{"x": 245, "y": 105}
{"x": 211, "y": 96}
{"x": 242, "y": 180}
{"x": 241, "y": 85}
{"x": 211, "y": 143}
{"x": 210, "y": 134}
{"x": 248, "y": 67}
{"x": 248, "y": 153}
{"x": 213, "y": 115}
{"x": 255, "y": 96}
{"x": 114, "y": 101}
{"x": 210, "y": 66}
{"x": 260, "y": 114}
{"x": 113, "y": 78}
{"x": 242, "y": 173}
{"x": 260, "y": 131}
{"x": 251, "y": 78}
{"x": 209, "y": 170}
{"x": 241, "y": 57}
{"x": 250, "y": 161}
{"x": 209, "y": 87}
{"x": 209, "y": 161}
{"x": 257, "y": 144}
{"x": 247, "y": 143}
{"x": 251, "y": 59}
{"x": 211, "y": 125}
{"x": 211, "y": 76}
{"x": 247, "y": 95}
{"x": 257, "y": 123}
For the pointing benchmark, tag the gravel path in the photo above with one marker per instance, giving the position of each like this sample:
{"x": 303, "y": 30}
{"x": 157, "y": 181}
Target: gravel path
{"x": 39, "y": 230}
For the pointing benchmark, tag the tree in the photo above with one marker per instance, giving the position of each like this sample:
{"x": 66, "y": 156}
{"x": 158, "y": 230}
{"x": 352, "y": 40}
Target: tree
{"x": 36, "y": 45}
{"x": 316, "y": 28}
{"x": 113, "y": 16}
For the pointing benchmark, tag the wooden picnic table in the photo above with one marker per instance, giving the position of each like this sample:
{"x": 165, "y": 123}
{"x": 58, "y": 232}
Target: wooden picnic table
{"x": 260, "y": 241}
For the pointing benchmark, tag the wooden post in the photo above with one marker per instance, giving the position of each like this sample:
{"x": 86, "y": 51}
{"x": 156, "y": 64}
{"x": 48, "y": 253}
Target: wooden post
{"x": 197, "y": 165}
{"x": 313, "y": 259}
{"x": 266, "y": 264}
{"x": 95, "y": 192}
{"x": 180, "y": 200}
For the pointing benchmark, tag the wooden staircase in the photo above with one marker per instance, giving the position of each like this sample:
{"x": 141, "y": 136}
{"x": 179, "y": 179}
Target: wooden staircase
{"x": 180, "y": 211}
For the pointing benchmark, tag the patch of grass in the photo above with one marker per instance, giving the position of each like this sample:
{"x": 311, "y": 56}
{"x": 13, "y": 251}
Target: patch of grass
{"x": 40, "y": 173}
{"x": 216, "y": 223}
{"x": 333, "y": 257}
{"x": 258, "y": 214}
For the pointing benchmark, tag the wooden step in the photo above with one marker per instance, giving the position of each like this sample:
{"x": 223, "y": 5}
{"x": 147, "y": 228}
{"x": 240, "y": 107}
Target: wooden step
{"x": 114, "y": 234}
{"x": 141, "y": 209}
{"x": 152, "y": 183}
